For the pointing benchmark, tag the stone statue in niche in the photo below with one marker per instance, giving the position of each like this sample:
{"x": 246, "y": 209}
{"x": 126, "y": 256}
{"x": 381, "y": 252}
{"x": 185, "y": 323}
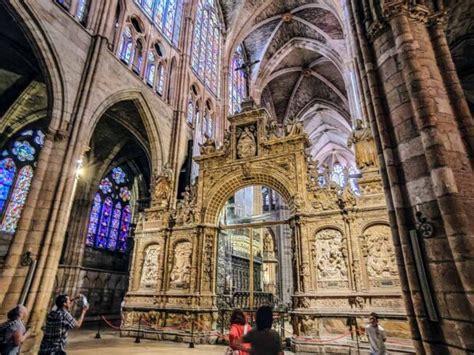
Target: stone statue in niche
{"x": 272, "y": 129}
{"x": 208, "y": 147}
{"x": 247, "y": 144}
{"x": 268, "y": 243}
{"x": 181, "y": 270}
{"x": 293, "y": 127}
{"x": 364, "y": 145}
{"x": 227, "y": 141}
{"x": 162, "y": 186}
{"x": 185, "y": 213}
{"x": 330, "y": 258}
{"x": 378, "y": 251}
{"x": 150, "y": 267}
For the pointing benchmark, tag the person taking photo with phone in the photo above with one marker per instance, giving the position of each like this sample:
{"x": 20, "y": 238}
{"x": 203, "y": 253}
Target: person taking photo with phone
{"x": 58, "y": 323}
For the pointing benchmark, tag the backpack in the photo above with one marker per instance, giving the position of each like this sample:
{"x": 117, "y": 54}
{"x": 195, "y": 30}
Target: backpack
{"x": 5, "y": 343}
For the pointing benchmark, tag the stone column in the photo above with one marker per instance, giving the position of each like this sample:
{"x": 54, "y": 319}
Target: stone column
{"x": 425, "y": 162}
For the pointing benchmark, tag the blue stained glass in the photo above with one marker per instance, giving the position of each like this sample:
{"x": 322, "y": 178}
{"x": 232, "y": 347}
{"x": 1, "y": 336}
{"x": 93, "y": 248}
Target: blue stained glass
{"x": 39, "y": 138}
{"x": 7, "y": 175}
{"x": 24, "y": 151}
{"x": 27, "y": 133}
{"x": 125, "y": 194}
{"x": 93, "y": 220}
{"x": 161, "y": 80}
{"x": 101, "y": 240}
{"x": 114, "y": 227}
{"x": 118, "y": 175}
{"x": 18, "y": 199}
{"x": 124, "y": 229}
{"x": 125, "y": 51}
{"x": 105, "y": 186}
{"x": 81, "y": 9}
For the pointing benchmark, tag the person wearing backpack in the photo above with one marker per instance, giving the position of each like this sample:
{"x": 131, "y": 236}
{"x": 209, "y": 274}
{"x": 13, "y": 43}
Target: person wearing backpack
{"x": 13, "y": 332}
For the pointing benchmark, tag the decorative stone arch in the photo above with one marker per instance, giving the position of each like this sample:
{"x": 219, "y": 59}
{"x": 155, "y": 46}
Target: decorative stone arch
{"x": 234, "y": 182}
{"x": 47, "y": 57}
{"x": 146, "y": 114}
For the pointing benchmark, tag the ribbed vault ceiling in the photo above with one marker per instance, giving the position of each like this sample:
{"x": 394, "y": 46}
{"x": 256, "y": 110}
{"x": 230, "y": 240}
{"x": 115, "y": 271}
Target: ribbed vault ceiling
{"x": 302, "y": 51}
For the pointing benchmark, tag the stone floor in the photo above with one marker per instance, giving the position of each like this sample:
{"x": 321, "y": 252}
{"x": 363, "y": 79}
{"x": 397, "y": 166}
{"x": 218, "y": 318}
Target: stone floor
{"x": 83, "y": 342}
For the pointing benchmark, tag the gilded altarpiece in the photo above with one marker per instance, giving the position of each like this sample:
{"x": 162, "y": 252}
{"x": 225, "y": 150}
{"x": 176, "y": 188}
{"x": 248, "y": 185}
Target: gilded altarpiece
{"x": 343, "y": 256}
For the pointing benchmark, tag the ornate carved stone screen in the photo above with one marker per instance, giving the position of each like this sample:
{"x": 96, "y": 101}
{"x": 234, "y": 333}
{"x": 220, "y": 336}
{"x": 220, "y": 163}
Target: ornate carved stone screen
{"x": 342, "y": 253}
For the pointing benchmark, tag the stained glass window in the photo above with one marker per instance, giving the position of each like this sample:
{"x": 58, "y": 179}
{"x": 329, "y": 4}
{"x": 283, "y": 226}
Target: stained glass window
{"x": 124, "y": 228}
{"x": 105, "y": 216}
{"x": 206, "y": 45}
{"x": 125, "y": 51}
{"x": 137, "y": 65}
{"x": 82, "y": 8}
{"x": 18, "y": 199}
{"x": 16, "y": 174}
{"x": 338, "y": 174}
{"x": 166, "y": 15}
{"x": 150, "y": 71}
{"x": 118, "y": 175}
{"x": 161, "y": 80}
{"x": 114, "y": 228}
{"x": 7, "y": 176}
{"x": 108, "y": 220}
{"x": 94, "y": 220}
{"x": 237, "y": 84}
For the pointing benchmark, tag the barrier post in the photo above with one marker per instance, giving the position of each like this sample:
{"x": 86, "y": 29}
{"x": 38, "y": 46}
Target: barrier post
{"x": 97, "y": 336}
{"x": 137, "y": 339}
{"x": 191, "y": 344}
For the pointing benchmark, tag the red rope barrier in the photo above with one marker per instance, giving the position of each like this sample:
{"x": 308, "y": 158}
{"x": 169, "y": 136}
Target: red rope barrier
{"x": 110, "y": 324}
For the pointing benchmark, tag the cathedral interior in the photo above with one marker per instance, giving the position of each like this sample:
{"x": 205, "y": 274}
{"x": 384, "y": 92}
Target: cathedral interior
{"x": 173, "y": 160}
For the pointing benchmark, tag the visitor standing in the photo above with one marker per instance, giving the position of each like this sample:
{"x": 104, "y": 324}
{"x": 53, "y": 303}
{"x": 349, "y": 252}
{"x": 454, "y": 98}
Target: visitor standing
{"x": 238, "y": 328}
{"x": 13, "y": 332}
{"x": 58, "y": 323}
{"x": 376, "y": 335}
{"x": 263, "y": 339}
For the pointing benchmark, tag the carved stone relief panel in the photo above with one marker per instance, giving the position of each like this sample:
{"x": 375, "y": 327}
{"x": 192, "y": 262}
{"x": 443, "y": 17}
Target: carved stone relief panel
{"x": 207, "y": 265}
{"x": 181, "y": 267}
{"x": 246, "y": 142}
{"x": 150, "y": 268}
{"x": 379, "y": 254}
{"x": 330, "y": 257}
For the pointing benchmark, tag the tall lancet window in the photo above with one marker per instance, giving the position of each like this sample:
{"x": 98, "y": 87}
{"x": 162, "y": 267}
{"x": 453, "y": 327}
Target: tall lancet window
{"x": 82, "y": 10}
{"x": 166, "y": 15}
{"x": 126, "y": 46}
{"x": 110, "y": 216}
{"x": 17, "y": 162}
{"x": 206, "y": 45}
{"x": 237, "y": 81}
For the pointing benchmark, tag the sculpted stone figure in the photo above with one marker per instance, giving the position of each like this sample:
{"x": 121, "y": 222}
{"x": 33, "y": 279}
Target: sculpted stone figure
{"x": 247, "y": 144}
{"x": 208, "y": 147}
{"x": 162, "y": 187}
{"x": 272, "y": 129}
{"x": 181, "y": 270}
{"x": 294, "y": 127}
{"x": 150, "y": 267}
{"x": 364, "y": 145}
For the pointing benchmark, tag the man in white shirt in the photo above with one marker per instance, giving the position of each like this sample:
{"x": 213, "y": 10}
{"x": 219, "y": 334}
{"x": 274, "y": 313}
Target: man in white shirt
{"x": 376, "y": 335}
